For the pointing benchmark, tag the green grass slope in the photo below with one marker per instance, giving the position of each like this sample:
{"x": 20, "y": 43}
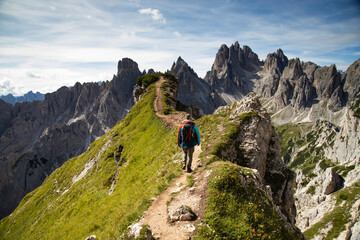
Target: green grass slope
{"x": 139, "y": 155}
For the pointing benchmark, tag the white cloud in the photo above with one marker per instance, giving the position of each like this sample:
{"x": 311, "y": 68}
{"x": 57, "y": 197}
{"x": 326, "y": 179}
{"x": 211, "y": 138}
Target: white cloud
{"x": 154, "y": 13}
{"x": 20, "y": 81}
{"x": 7, "y": 87}
{"x": 177, "y": 34}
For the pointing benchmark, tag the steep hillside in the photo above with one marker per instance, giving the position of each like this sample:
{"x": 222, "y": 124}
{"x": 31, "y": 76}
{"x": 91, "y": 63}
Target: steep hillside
{"x": 38, "y": 137}
{"x": 101, "y": 191}
{"x": 110, "y": 186}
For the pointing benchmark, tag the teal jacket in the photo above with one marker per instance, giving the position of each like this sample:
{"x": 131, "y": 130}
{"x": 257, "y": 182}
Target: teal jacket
{"x": 195, "y": 141}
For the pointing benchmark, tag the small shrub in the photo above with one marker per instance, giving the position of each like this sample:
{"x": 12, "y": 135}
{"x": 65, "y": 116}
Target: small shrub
{"x": 147, "y": 80}
{"x": 311, "y": 190}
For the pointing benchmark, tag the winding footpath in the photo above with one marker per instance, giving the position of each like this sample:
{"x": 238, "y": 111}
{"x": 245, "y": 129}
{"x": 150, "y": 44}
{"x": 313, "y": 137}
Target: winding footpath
{"x": 177, "y": 194}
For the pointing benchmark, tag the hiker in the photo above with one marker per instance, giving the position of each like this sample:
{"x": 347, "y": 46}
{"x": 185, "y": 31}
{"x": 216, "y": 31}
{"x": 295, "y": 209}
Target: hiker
{"x": 188, "y": 137}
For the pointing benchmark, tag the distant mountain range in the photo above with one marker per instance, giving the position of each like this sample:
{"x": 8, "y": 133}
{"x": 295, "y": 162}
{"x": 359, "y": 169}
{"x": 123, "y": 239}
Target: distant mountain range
{"x": 28, "y": 97}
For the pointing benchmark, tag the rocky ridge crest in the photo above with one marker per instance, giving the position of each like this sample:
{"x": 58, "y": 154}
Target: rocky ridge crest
{"x": 256, "y": 145}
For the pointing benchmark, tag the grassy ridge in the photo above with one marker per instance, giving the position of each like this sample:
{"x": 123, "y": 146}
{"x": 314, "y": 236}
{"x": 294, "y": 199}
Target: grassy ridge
{"x": 61, "y": 209}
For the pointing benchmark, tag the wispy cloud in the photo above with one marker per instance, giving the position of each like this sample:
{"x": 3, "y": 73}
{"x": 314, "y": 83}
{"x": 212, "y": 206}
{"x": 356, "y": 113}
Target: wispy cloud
{"x": 177, "y": 34}
{"x": 154, "y": 13}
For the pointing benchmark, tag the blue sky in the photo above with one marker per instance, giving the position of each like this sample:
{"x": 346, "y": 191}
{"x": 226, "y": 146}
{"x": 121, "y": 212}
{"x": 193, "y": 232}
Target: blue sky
{"x": 45, "y": 44}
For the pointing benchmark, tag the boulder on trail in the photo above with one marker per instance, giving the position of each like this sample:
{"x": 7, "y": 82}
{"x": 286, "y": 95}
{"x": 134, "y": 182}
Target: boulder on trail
{"x": 184, "y": 213}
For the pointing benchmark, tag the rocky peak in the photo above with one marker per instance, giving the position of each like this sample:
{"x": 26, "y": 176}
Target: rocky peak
{"x": 127, "y": 65}
{"x": 294, "y": 69}
{"x": 221, "y": 58}
{"x": 229, "y": 75}
{"x": 192, "y": 89}
{"x": 352, "y": 82}
{"x": 326, "y": 80}
{"x": 329, "y": 85}
{"x": 28, "y": 97}
{"x": 276, "y": 61}
{"x": 125, "y": 81}
{"x": 235, "y": 58}
{"x": 183, "y": 67}
{"x": 243, "y": 58}
{"x": 295, "y": 88}
{"x": 309, "y": 69}
{"x": 273, "y": 67}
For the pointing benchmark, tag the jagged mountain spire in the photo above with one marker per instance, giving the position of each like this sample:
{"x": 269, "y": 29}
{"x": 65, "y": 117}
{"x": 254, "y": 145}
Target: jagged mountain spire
{"x": 192, "y": 89}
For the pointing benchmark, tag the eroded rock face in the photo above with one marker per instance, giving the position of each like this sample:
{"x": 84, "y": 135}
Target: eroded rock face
{"x": 352, "y": 84}
{"x": 230, "y": 72}
{"x": 238, "y": 71}
{"x": 295, "y": 88}
{"x": 42, "y": 135}
{"x": 273, "y": 68}
{"x": 256, "y": 145}
{"x": 332, "y": 181}
{"x": 5, "y": 116}
{"x": 194, "y": 90}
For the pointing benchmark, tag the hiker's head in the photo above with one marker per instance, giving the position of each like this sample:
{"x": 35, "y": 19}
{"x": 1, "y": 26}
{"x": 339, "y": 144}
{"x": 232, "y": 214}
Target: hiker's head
{"x": 188, "y": 116}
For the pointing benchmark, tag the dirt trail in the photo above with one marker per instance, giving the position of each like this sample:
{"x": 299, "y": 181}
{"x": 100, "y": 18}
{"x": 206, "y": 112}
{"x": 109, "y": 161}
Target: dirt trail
{"x": 178, "y": 193}
{"x": 171, "y": 120}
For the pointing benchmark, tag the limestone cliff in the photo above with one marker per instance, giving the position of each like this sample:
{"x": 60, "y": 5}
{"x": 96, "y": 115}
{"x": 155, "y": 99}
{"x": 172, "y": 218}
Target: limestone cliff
{"x": 231, "y": 71}
{"x": 351, "y": 85}
{"x": 253, "y": 143}
{"x": 274, "y": 66}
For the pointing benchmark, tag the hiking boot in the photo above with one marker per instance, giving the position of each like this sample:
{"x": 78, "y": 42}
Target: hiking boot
{"x": 189, "y": 170}
{"x": 183, "y": 167}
